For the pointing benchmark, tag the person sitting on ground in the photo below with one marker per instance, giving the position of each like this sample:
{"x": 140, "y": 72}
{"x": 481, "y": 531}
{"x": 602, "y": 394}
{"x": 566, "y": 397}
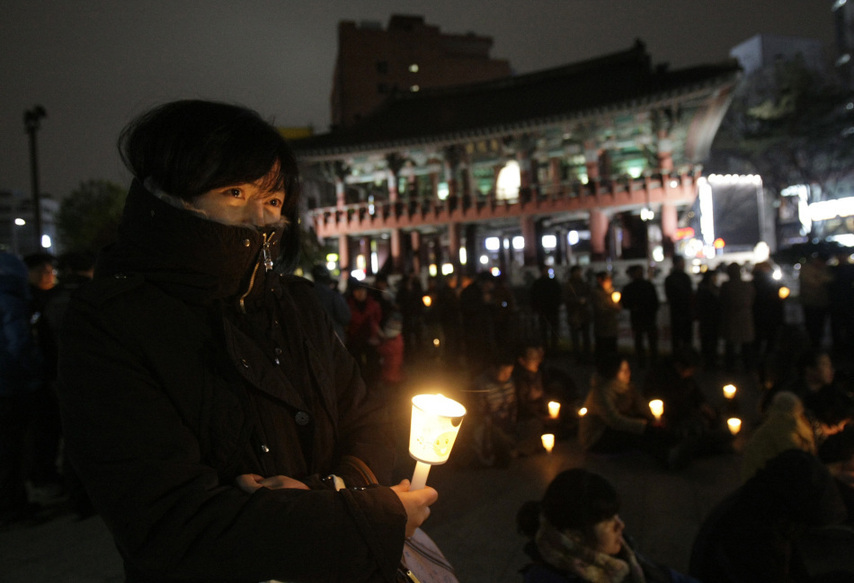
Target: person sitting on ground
{"x": 576, "y": 535}
{"x": 752, "y": 534}
{"x": 494, "y": 431}
{"x": 687, "y": 413}
{"x": 532, "y": 402}
{"x": 785, "y": 427}
{"x": 616, "y": 417}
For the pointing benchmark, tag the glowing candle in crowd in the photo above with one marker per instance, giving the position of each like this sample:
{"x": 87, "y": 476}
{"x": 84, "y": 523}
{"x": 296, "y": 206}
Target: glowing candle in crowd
{"x": 428, "y": 301}
{"x": 729, "y": 391}
{"x": 435, "y": 423}
{"x": 548, "y": 441}
{"x": 783, "y": 292}
{"x": 734, "y": 424}
{"x": 657, "y": 408}
{"x": 582, "y": 412}
{"x": 615, "y": 297}
{"x": 554, "y": 409}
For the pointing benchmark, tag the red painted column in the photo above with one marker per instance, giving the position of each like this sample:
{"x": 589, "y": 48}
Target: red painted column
{"x": 344, "y": 252}
{"x": 529, "y": 232}
{"x": 598, "y": 231}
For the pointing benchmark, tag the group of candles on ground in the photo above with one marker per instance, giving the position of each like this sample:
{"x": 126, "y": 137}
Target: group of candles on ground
{"x": 436, "y": 422}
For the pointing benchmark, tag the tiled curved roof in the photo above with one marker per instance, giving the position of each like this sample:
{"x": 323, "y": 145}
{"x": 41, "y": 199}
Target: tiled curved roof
{"x": 620, "y": 80}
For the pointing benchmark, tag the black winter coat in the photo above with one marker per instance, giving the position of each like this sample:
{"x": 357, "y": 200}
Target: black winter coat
{"x": 185, "y": 364}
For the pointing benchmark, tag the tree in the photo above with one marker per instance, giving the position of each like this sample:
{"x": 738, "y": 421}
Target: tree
{"x": 89, "y": 217}
{"x": 791, "y": 125}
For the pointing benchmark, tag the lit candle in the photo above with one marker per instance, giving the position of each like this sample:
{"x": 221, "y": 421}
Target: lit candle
{"x": 615, "y": 297}
{"x": 783, "y": 292}
{"x": 582, "y": 412}
{"x": 734, "y": 424}
{"x": 548, "y": 441}
{"x": 436, "y": 342}
{"x": 435, "y": 423}
{"x": 729, "y": 391}
{"x": 554, "y": 409}
{"x": 428, "y": 301}
{"x": 657, "y": 408}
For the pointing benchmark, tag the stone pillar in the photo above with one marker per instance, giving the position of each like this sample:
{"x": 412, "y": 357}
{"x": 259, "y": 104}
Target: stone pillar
{"x": 344, "y": 252}
{"x": 529, "y": 232}
{"x": 598, "y": 232}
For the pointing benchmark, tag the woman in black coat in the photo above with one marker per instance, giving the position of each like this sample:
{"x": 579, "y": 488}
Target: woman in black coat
{"x": 193, "y": 372}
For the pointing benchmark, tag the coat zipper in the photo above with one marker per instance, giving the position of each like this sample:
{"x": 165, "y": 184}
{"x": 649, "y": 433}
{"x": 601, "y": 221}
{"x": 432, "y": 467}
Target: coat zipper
{"x": 267, "y": 259}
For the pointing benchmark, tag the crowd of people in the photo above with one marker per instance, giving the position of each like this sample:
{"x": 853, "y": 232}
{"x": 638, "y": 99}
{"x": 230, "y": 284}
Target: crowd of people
{"x": 210, "y": 405}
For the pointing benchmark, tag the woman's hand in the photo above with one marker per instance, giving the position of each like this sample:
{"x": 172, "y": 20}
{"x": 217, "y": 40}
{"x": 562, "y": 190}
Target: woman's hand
{"x": 251, "y": 482}
{"x": 416, "y": 503}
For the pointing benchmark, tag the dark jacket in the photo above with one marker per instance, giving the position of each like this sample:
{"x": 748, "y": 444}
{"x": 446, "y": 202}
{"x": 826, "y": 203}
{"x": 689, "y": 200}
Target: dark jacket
{"x": 185, "y": 364}
{"x": 641, "y": 299}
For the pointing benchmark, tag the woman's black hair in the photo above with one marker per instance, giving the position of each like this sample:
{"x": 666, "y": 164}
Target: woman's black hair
{"x": 190, "y": 147}
{"x": 609, "y": 365}
{"x": 576, "y": 499}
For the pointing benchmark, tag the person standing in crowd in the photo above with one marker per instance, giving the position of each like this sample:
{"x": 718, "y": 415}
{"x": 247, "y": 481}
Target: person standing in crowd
{"x": 545, "y": 301}
{"x": 46, "y": 430}
{"x": 75, "y": 271}
{"x": 737, "y": 297}
{"x": 815, "y": 278}
{"x": 680, "y": 300}
{"x": 383, "y": 296}
{"x": 641, "y": 299}
{"x": 478, "y": 321}
{"x": 363, "y": 332}
{"x": 410, "y": 301}
{"x": 606, "y": 313}
{"x": 21, "y": 376}
{"x": 708, "y": 304}
{"x": 331, "y": 300}
{"x": 576, "y": 535}
{"x": 193, "y": 364}
{"x": 578, "y": 314}
{"x": 767, "y": 311}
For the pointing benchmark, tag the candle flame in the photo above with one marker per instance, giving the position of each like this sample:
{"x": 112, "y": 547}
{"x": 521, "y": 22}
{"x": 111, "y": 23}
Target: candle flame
{"x": 615, "y": 297}
{"x": 554, "y": 409}
{"x": 783, "y": 292}
{"x": 582, "y": 412}
{"x": 729, "y": 391}
{"x": 428, "y": 301}
{"x": 657, "y": 408}
{"x": 734, "y": 424}
{"x": 548, "y": 441}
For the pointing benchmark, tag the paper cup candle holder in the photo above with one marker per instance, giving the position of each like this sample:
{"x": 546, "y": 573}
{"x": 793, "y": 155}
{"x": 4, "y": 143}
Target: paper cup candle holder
{"x": 436, "y": 422}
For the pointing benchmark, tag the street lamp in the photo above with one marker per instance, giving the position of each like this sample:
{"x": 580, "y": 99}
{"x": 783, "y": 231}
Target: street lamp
{"x": 32, "y": 123}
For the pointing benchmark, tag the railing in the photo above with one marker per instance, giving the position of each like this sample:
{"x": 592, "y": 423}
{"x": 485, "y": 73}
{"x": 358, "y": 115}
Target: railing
{"x": 541, "y": 200}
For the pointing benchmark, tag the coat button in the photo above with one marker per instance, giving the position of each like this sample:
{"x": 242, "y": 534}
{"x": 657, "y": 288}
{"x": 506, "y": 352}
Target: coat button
{"x": 264, "y": 448}
{"x": 244, "y": 362}
{"x": 278, "y": 351}
{"x": 302, "y": 418}
{"x": 120, "y": 276}
{"x": 276, "y": 361}
{"x": 246, "y": 242}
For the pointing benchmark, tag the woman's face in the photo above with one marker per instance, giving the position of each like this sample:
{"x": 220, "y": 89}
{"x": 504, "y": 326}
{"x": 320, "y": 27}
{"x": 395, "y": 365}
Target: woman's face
{"x": 248, "y": 204}
{"x": 624, "y": 375}
{"x": 609, "y": 535}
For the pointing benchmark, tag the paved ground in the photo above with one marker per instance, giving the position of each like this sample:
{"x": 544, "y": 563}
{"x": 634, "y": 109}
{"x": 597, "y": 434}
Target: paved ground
{"x": 474, "y": 519}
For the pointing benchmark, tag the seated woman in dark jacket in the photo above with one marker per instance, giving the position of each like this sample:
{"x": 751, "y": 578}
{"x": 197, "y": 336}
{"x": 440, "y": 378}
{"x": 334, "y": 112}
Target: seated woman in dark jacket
{"x": 577, "y": 536}
{"x": 192, "y": 363}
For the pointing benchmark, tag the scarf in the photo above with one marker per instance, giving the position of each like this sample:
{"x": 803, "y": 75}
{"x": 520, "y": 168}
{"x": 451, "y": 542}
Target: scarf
{"x": 566, "y": 551}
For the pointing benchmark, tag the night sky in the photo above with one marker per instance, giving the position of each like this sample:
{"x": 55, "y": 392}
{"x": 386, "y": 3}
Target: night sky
{"x": 94, "y": 64}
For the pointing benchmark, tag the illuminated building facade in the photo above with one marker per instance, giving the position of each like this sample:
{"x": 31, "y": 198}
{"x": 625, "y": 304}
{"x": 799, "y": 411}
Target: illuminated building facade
{"x": 598, "y": 156}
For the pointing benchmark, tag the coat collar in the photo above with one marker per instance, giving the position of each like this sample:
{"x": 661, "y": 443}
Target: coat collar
{"x": 187, "y": 253}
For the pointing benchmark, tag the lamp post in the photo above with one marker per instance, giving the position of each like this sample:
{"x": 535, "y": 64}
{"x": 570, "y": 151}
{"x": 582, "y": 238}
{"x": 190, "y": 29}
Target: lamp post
{"x": 32, "y": 123}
